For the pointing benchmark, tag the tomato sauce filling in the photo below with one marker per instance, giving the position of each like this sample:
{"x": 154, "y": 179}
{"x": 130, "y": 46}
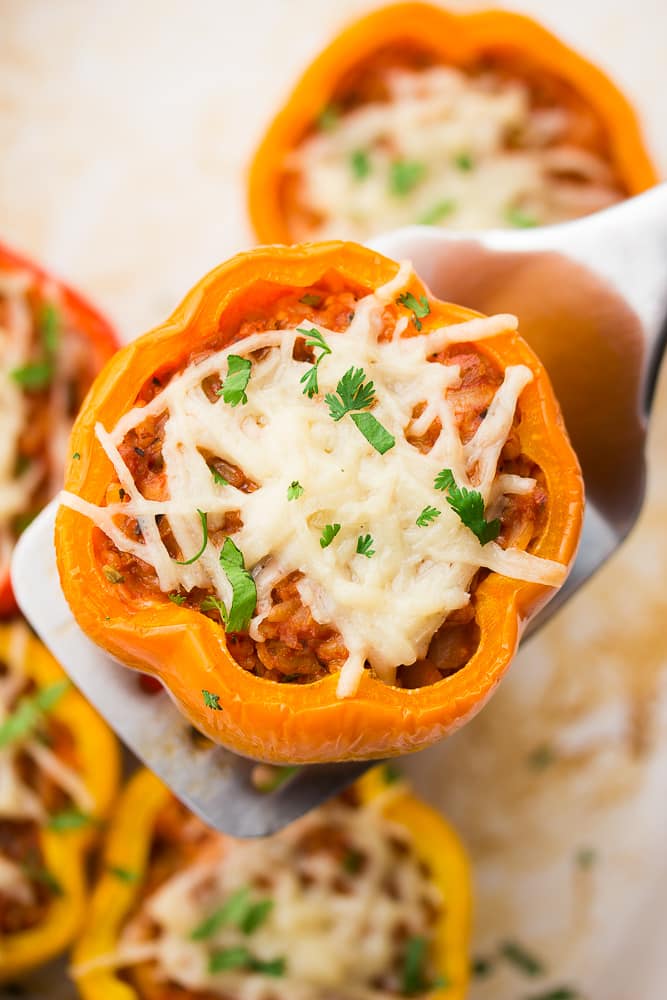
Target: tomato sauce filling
{"x": 296, "y": 649}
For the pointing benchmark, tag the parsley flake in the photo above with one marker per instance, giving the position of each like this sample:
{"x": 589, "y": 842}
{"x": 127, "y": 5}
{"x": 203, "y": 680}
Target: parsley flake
{"x": 204, "y": 527}
{"x": 69, "y": 819}
{"x": 585, "y": 858}
{"x": 310, "y": 299}
{"x": 76, "y": 456}
{"x": 521, "y": 958}
{"x": 294, "y": 490}
{"x": 329, "y": 532}
{"x": 365, "y": 546}
{"x": 218, "y": 478}
{"x": 244, "y": 591}
{"x": 469, "y": 505}
{"x": 177, "y": 598}
{"x": 29, "y": 712}
{"x": 427, "y": 516}
{"x": 464, "y": 162}
{"x": 418, "y": 307}
{"x": 123, "y": 874}
{"x": 376, "y": 435}
{"x": 112, "y": 575}
{"x": 327, "y": 118}
{"x": 438, "y": 212}
{"x": 560, "y": 993}
{"x": 238, "y": 911}
{"x": 234, "y": 387}
{"x": 239, "y": 957}
{"x": 35, "y": 376}
{"x": 360, "y": 164}
{"x": 519, "y": 218}
{"x": 354, "y": 393}
{"x": 413, "y": 977}
{"x": 213, "y": 603}
{"x": 212, "y": 700}
{"x": 49, "y": 328}
{"x": 404, "y": 175}
{"x": 38, "y": 873}
{"x": 315, "y": 340}
{"x": 391, "y": 774}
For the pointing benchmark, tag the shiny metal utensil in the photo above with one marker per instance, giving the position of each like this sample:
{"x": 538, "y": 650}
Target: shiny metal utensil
{"x": 591, "y": 297}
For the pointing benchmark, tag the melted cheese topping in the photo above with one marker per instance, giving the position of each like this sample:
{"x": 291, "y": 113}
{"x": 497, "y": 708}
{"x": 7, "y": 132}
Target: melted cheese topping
{"x": 339, "y": 931}
{"x": 18, "y": 799}
{"x": 434, "y": 118}
{"x": 19, "y": 347}
{"x": 386, "y": 607}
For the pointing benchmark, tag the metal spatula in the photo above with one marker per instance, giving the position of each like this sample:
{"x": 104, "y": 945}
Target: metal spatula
{"x": 591, "y": 297}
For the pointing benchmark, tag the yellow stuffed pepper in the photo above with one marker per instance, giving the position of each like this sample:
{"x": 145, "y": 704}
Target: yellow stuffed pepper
{"x": 370, "y": 892}
{"x": 59, "y": 769}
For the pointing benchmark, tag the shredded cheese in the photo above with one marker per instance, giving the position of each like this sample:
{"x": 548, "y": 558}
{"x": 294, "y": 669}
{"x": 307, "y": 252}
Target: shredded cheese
{"x": 454, "y": 128}
{"x": 386, "y": 607}
{"x": 338, "y": 926}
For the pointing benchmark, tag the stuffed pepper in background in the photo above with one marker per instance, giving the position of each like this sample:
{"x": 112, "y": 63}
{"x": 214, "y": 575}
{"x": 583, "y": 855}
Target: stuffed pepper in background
{"x": 59, "y": 769}
{"x": 319, "y": 505}
{"x": 369, "y": 895}
{"x": 417, "y": 115}
{"x": 52, "y": 344}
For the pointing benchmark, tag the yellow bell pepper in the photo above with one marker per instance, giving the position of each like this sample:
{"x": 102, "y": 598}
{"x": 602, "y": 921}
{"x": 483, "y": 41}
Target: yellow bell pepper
{"x": 128, "y": 849}
{"x": 63, "y": 852}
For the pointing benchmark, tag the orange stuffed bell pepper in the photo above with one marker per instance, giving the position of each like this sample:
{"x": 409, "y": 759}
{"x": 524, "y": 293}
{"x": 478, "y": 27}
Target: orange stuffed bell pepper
{"x": 369, "y": 892}
{"x": 52, "y": 344}
{"x": 60, "y": 769}
{"x": 319, "y": 505}
{"x": 414, "y": 114}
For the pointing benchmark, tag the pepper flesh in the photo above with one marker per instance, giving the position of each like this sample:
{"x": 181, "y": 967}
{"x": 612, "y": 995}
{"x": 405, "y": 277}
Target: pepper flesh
{"x": 64, "y": 853}
{"x": 88, "y": 321}
{"x": 128, "y": 849}
{"x": 188, "y": 652}
{"x": 456, "y": 40}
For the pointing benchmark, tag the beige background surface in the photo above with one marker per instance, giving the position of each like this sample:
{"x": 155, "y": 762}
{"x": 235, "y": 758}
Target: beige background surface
{"x": 125, "y": 130}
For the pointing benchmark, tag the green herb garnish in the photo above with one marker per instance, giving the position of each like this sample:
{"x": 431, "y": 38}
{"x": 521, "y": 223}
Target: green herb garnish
{"x": 481, "y": 967}
{"x": 123, "y": 874}
{"x": 112, "y": 575}
{"x": 365, "y": 546}
{"x": 352, "y": 861}
{"x": 177, "y": 598}
{"x": 218, "y": 478}
{"x": 69, "y": 819}
{"x": 76, "y": 456}
{"x": 585, "y": 857}
{"x": 29, "y": 712}
{"x": 541, "y": 757}
{"x": 440, "y": 211}
{"x": 427, "y": 516}
{"x": 327, "y": 118}
{"x": 469, "y": 505}
{"x": 418, "y": 307}
{"x": 204, "y": 528}
{"x": 391, "y": 774}
{"x": 464, "y": 162}
{"x": 38, "y": 375}
{"x": 244, "y": 591}
{"x": 404, "y": 175}
{"x": 315, "y": 340}
{"x": 413, "y": 979}
{"x": 38, "y": 873}
{"x": 35, "y": 376}
{"x": 560, "y": 993}
{"x": 516, "y": 217}
{"x": 360, "y": 164}
{"x": 310, "y": 299}
{"x": 329, "y": 532}
{"x": 213, "y": 603}
{"x": 49, "y": 329}
{"x": 234, "y": 387}
{"x": 238, "y": 911}
{"x": 521, "y": 958}
{"x": 376, "y": 435}
{"x": 212, "y": 700}
{"x": 240, "y": 958}
{"x": 354, "y": 394}
{"x": 294, "y": 490}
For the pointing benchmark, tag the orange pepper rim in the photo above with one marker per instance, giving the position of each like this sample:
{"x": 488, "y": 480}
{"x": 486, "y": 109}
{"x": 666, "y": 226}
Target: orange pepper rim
{"x": 453, "y": 38}
{"x": 187, "y": 651}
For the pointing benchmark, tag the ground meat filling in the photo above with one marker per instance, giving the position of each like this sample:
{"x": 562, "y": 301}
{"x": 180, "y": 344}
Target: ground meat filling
{"x": 180, "y": 839}
{"x": 295, "y": 648}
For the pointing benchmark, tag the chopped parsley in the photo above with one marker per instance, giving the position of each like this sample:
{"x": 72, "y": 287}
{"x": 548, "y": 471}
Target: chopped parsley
{"x": 204, "y": 528}
{"x": 329, "y": 532}
{"x": 69, "y": 819}
{"x": 418, "y": 307}
{"x": 354, "y": 394}
{"x": 238, "y": 911}
{"x": 212, "y": 700}
{"x": 34, "y": 376}
{"x": 244, "y": 591}
{"x": 481, "y": 967}
{"x": 404, "y": 175}
{"x": 413, "y": 978}
{"x": 239, "y": 957}
{"x": 352, "y": 861}
{"x": 76, "y": 456}
{"x": 112, "y": 575}
{"x": 327, "y": 118}
{"x": 49, "y": 328}
{"x": 440, "y": 211}
{"x": 213, "y": 603}
{"x": 29, "y": 712}
{"x": 542, "y": 756}
{"x": 427, "y": 516}
{"x": 177, "y": 598}
{"x": 469, "y": 505}
{"x": 123, "y": 874}
{"x": 585, "y": 858}
{"x": 520, "y": 219}
{"x": 315, "y": 340}
{"x": 218, "y": 478}
{"x": 310, "y": 299}
{"x": 234, "y": 387}
{"x": 38, "y": 873}
{"x": 391, "y": 774}
{"x": 365, "y": 546}
{"x": 270, "y": 777}
{"x": 294, "y": 490}
{"x": 360, "y": 164}
{"x": 464, "y": 162}
{"x": 38, "y": 375}
{"x": 559, "y": 993}
{"x": 521, "y": 958}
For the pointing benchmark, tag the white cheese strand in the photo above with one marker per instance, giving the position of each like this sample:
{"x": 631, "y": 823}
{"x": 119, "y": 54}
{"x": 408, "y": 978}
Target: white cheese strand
{"x": 387, "y": 607}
